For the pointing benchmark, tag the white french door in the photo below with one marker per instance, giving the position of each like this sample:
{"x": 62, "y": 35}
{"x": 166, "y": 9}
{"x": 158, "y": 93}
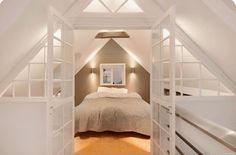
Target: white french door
{"x": 60, "y": 86}
{"x": 163, "y": 86}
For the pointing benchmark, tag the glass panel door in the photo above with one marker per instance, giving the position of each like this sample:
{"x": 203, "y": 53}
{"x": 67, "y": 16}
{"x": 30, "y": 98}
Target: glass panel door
{"x": 163, "y": 86}
{"x": 60, "y": 91}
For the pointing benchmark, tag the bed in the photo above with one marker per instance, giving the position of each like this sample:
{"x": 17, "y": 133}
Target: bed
{"x": 118, "y": 112}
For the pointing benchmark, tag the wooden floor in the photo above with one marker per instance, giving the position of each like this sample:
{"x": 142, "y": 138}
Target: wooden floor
{"x": 110, "y": 143}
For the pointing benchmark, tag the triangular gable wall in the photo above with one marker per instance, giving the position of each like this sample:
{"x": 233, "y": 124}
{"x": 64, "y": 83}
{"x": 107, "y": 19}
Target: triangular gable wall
{"x": 87, "y": 82}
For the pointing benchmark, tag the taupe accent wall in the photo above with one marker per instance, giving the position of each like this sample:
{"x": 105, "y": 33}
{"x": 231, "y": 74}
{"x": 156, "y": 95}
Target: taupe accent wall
{"x": 87, "y": 82}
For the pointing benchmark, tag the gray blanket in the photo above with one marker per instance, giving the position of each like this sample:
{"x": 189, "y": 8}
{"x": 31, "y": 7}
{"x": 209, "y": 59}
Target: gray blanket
{"x": 113, "y": 112}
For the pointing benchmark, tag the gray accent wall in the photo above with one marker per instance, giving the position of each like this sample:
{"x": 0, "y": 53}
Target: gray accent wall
{"x": 87, "y": 82}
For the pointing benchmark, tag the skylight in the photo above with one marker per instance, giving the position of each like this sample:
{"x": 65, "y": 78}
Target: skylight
{"x": 113, "y": 6}
{"x": 96, "y": 6}
{"x": 234, "y": 1}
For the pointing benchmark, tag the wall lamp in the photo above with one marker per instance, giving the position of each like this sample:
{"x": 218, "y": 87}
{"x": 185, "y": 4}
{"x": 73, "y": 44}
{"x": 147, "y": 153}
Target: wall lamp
{"x": 92, "y": 70}
{"x": 132, "y": 70}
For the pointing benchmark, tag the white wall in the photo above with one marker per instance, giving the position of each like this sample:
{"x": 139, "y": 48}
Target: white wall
{"x": 22, "y": 128}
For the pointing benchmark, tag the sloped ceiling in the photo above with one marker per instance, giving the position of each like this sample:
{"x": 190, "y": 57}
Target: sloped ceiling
{"x": 25, "y": 24}
{"x": 210, "y": 32}
{"x": 210, "y": 24}
{"x": 138, "y": 46}
{"x": 21, "y": 32}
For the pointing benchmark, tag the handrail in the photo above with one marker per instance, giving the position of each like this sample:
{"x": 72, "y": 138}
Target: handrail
{"x": 229, "y": 146}
{"x": 189, "y": 144}
{"x": 178, "y": 150}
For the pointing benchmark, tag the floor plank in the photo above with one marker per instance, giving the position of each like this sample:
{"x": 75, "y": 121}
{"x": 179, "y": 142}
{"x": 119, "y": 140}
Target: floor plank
{"x": 111, "y": 143}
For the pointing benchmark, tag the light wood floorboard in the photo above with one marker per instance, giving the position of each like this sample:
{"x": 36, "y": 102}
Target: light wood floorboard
{"x": 110, "y": 143}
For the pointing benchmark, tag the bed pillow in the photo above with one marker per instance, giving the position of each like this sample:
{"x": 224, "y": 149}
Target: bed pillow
{"x": 112, "y": 90}
{"x": 119, "y": 90}
{"x": 104, "y": 90}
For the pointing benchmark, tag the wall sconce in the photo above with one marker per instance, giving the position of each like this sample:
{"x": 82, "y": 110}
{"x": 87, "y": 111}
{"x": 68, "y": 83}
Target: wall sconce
{"x": 92, "y": 70}
{"x": 132, "y": 70}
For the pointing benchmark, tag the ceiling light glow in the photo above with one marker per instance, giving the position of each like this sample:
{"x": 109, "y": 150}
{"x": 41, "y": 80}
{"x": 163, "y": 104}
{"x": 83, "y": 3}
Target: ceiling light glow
{"x": 1, "y": 1}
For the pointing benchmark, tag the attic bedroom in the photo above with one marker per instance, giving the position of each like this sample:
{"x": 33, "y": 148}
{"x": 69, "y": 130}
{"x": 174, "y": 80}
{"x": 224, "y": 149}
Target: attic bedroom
{"x": 117, "y": 77}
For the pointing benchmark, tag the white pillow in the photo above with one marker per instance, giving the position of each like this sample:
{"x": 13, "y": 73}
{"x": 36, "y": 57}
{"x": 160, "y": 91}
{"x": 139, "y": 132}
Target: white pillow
{"x": 119, "y": 90}
{"x": 104, "y": 90}
{"x": 112, "y": 90}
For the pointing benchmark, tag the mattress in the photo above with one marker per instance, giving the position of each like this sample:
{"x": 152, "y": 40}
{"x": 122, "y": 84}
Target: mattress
{"x": 113, "y": 112}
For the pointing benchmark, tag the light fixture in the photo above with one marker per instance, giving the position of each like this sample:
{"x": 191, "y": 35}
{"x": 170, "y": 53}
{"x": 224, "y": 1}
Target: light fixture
{"x": 132, "y": 70}
{"x": 1, "y": 1}
{"x": 92, "y": 70}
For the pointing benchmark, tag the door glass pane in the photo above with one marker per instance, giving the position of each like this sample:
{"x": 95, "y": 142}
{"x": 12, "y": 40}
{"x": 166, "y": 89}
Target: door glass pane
{"x": 156, "y": 88}
{"x": 178, "y": 54}
{"x": 67, "y": 89}
{"x": 224, "y": 91}
{"x": 9, "y": 91}
{"x": 191, "y": 87}
{"x": 188, "y": 57}
{"x": 37, "y": 88}
{"x": 191, "y": 70}
{"x": 165, "y": 88}
{"x": 209, "y": 87}
{"x": 155, "y": 111}
{"x": 205, "y": 74}
{"x": 68, "y": 71}
{"x": 57, "y": 70}
{"x": 178, "y": 70}
{"x": 37, "y": 71}
{"x": 68, "y": 34}
{"x": 21, "y": 89}
{"x": 165, "y": 70}
{"x": 23, "y": 74}
{"x": 68, "y": 51}
{"x": 165, "y": 53}
{"x": 57, "y": 89}
{"x": 57, "y": 51}
{"x": 40, "y": 57}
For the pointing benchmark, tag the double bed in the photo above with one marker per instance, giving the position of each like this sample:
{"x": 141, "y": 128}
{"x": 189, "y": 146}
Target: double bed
{"x": 109, "y": 111}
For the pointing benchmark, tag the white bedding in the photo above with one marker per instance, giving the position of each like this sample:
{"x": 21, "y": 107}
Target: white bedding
{"x": 113, "y": 112}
